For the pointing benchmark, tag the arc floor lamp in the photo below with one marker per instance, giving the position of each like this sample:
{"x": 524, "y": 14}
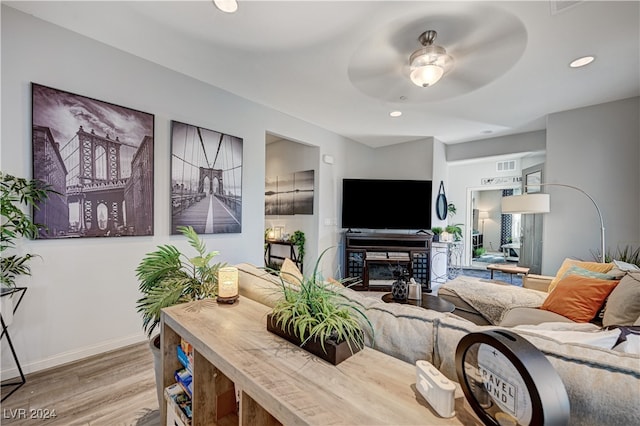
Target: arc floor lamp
{"x": 539, "y": 203}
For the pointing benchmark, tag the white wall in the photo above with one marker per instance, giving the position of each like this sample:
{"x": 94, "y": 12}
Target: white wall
{"x": 498, "y": 146}
{"x": 440, "y": 173}
{"x": 409, "y": 160}
{"x": 81, "y": 297}
{"x": 598, "y": 150}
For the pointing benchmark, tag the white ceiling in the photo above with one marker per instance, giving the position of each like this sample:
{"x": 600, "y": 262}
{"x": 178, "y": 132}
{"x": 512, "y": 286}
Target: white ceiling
{"x": 343, "y": 64}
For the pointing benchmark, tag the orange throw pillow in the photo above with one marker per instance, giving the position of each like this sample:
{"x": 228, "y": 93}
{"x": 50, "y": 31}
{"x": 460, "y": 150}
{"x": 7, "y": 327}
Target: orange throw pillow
{"x": 579, "y": 298}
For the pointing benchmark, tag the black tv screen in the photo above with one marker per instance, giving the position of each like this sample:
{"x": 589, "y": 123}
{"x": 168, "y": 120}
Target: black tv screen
{"x": 386, "y": 204}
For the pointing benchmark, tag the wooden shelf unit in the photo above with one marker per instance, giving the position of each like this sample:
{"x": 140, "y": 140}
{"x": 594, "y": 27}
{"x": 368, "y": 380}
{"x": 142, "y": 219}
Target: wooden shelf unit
{"x": 277, "y": 382}
{"x": 365, "y": 252}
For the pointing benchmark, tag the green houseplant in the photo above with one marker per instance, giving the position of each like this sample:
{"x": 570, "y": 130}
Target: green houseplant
{"x": 452, "y": 209}
{"x": 314, "y": 311}
{"x": 18, "y": 193}
{"x": 298, "y": 238}
{"x": 437, "y": 231}
{"x": 629, "y": 253}
{"x": 455, "y": 230}
{"x": 168, "y": 277}
{"x": 479, "y": 251}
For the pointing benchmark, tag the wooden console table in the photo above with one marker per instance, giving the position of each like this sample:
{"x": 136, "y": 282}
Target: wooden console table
{"x": 279, "y": 383}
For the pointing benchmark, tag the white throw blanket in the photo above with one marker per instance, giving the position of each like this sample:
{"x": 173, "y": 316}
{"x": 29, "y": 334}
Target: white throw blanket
{"x": 491, "y": 300}
{"x": 583, "y": 333}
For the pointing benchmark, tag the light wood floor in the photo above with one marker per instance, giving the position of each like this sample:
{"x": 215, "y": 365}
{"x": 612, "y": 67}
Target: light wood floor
{"x": 114, "y": 388}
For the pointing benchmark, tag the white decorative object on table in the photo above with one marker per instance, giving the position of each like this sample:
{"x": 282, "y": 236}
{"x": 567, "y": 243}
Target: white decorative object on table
{"x": 436, "y": 389}
{"x": 415, "y": 290}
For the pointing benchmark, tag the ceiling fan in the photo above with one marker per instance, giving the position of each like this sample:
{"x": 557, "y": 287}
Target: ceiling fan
{"x": 482, "y": 43}
{"x": 430, "y": 62}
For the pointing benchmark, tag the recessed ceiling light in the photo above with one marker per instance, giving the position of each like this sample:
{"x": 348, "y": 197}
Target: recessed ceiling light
{"x": 228, "y": 6}
{"x": 581, "y": 62}
{"x": 395, "y": 114}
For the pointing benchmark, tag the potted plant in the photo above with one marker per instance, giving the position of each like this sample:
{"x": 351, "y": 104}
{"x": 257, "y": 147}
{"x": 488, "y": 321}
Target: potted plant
{"x": 168, "y": 277}
{"x": 452, "y": 209}
{"x": 18, "y": 193}
{"x": 298, "y": 239}
{"x": 437, "y": 231}
{"x": 629, "y": 254}
{"x": 479, "y": 251}
{"x": 455, "y": 230}
{"x": 315, "y": 315}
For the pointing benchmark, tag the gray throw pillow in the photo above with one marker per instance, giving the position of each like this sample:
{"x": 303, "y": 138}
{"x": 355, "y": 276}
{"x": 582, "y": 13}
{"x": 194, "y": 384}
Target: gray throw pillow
{"x": 623, "y": 304}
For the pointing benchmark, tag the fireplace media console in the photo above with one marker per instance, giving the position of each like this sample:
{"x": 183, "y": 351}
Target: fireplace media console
{"x": 371, "y": 258}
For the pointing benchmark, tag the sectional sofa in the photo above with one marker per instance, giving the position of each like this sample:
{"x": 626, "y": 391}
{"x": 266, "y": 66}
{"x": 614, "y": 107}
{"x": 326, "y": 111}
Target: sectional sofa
{"x": 603, "y": 385}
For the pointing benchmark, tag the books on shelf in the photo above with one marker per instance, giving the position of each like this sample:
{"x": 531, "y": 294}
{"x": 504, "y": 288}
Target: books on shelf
{"x": 184, "y": 359}
{"x": 376, "y": 255}
{"x": 373, "y": 283}
{"x": 178, "y": 402}
{"x": 185, "y": 354}
{"x": 399, "y": 255}
{"x": 393, "y": 255}
{"x": 179, "y": 394}
{"x": 183, "y": 378}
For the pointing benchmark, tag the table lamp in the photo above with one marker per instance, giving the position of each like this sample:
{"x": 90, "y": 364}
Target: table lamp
{"x": 227, "y": 285}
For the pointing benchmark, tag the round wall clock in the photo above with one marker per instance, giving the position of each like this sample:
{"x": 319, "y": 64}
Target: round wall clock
{"x": 508, "y": 381}
{"x": 441, "y": 203}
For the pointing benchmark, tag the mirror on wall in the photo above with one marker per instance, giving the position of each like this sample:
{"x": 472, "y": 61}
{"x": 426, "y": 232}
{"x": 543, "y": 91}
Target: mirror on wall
{"x": 495, "y": 237}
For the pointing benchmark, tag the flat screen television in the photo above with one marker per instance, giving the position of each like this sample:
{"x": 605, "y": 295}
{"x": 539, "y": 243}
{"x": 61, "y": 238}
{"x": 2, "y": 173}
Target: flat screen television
{"x": 386, "y": 204}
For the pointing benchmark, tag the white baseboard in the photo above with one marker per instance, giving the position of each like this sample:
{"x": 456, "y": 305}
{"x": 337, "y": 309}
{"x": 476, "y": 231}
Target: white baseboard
{"x": 71, "y": 356}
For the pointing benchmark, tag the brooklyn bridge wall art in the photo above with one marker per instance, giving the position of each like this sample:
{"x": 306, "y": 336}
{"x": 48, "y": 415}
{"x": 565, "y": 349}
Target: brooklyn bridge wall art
{"x": 206, "y": 180}
{"x": 99, "y": 158}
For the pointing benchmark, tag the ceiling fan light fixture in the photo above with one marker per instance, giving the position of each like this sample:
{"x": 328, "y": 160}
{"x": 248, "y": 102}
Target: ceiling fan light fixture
{"x": 426, "y": 75}
{"x": 430, "y": 62}
{"x": 227, "y": 6}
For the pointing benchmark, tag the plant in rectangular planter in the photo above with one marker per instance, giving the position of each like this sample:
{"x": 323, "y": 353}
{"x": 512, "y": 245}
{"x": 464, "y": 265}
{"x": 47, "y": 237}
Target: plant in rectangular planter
{"x": 314, "y": 315}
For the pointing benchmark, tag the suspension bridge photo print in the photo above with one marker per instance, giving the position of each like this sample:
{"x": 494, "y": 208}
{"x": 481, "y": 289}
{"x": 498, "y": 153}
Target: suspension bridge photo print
{"x": 206, "y": 180}
{"x": 99, "y": 158}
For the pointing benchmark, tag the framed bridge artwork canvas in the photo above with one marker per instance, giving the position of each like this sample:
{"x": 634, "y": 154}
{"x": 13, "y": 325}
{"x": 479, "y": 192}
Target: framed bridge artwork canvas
{"x": 98, "y": 156}
{"x": 206, "y": 180}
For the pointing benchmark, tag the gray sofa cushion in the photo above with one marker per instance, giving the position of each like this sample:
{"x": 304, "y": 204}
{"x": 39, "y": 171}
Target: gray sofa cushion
{"x": 602, "y": 384}
{"x": 257, "y": 284}
{"x": 623, "y": 304}
{"x": 530, "y": 316}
